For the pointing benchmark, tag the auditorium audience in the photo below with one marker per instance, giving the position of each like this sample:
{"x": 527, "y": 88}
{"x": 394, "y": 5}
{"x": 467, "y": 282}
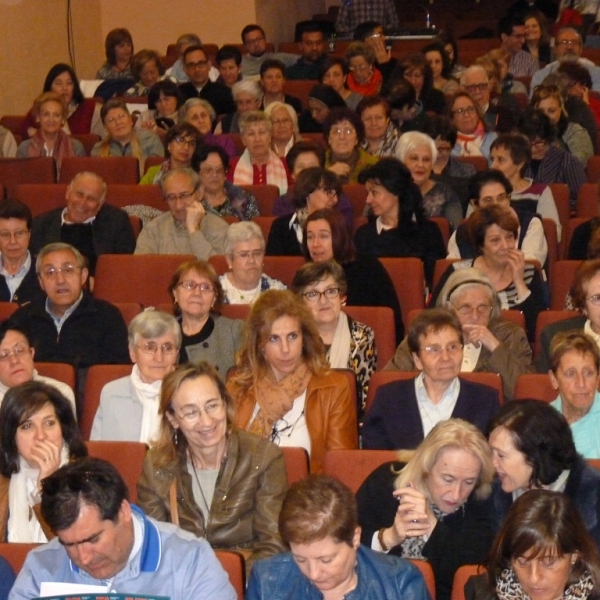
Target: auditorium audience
{"x": 334, "y": 73}
{"x": 415, "y": 69}
{"x": 322, "y": 99}
{"x": 164, "y": 101}
{"x": 312, "y": 53}
{"x": 364, "y": 77}
{"x": 272, "y": 78}
{"x": 146, "y": 70}
{"x": 229, "y": 59}
{"x": 285, "y": 131}
{"x": 247, "y": 95}
{"x": 381, "y": 134}
{"x": 255, "y": 41}
{"x": 118, "y": 48}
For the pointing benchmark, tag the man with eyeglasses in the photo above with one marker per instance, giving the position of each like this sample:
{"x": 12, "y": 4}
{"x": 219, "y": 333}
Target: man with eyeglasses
{"x": 255, "y": 41}
{"x": 177, "y": 71}
{"x": 197, "y": 67}
{"x": 568, "y": 47}
{"x": 187, "y": 228}
{"x": 499, "y": 115}
{"x": 104, "y": 540}
{"x": 70, "y": 325}
{"x": 312, "y": 53}
{"x": 87, "y": 222}
{"x": 512, "y": 35}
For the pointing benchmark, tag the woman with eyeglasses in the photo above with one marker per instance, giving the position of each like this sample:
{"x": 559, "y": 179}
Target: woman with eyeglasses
{"x": 381, "y": 133}
{"x": 245, "y": 252}
{"x": 181, "y": 144}
{"x": 349, "y": 344}
{"x": 128, "y": 409}
{"x": 474, "y": 137}
{"x": 493, "y": 344}
{"x": 364, "y": 77}
{"x": 207, "y": 476}
{"x": 285, "y": 127}
{"x": 315, "y": 188}
{"x": 283, "y": 388}
{"x": 207, "y": 335}
{"x": 39, "y": 435}
{"x": 222, "y": 197}
{"x": 404, "y": 412}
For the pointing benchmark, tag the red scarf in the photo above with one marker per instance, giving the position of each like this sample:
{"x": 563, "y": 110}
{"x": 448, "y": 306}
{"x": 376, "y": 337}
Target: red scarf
{"x": 370, "y": 87}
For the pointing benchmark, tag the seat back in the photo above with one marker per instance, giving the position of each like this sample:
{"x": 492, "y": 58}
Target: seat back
{"x": 551, "y": 234}
{"x": 128, "y": 310}
{"x": 300, "y": 88}
{"x": 141, "y": 278}
{"x": 427, "y": 572}
{"x": 41, "y": 197}
{"x": 381, "y": 320}
{"x": 546, "y": 317}
{"x": 59, "y": 371}
{"x": 296, "y": 463}
{"x": 352, "y": 467}
{"x": 121, "y": 195}
{"x": 357, "y": 193}
{"x": 479, "y": 162}
{"x": 587, "y": 200}
{"x": 97, "y": 377}
{"x": 265, "y": 197}
{"x": 536, "y": 386}
{"x": 561, "y": 278}
{"x": 113, "y": 169}
{"x": 7, "y": 309}
{"x": 265, "y": 225}
{"x": 153, "y": 161}
{"x": 126, "y": 457}
{"x": 88, "y": 140}
{"x": 461, "y": 577}
{"x": 444, "y": 227}
{"x": 401, "y": 271}
{"x": 560, "y": 191}
{"x": 380, "y": 378}
{"x": 16, "y": 553}
{"x": 441, "y": 265}
{"x": 233, "y": 564}
{"x": 15, "y": 171}
{"x": 567, "y": 234}
{"x": 592, "y": 169}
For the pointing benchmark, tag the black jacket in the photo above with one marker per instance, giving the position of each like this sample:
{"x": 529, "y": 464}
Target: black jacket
{"x": 94, "y": 334}
{"x": 218, "y": 94}
{"x": 28, "y": 291}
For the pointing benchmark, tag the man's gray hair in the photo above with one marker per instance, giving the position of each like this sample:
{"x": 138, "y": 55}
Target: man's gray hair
{"x": 59, "y": 247}
{"x": 97, "y": 178}
{"x": 472, "y": 69}
{"x": 190, "y": 173}
{"x": 188, "y": 38}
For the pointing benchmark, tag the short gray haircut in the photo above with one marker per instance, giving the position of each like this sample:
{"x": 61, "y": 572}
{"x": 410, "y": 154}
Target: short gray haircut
{"x": 472, "y": 69}
{"x": 188, "y": 38}
{"x": 183, "y": 111}
{"x": 247, "y": 86}
{"x": 415, "y": 139}
{"x": 59, "y": 247}
{"x": 153, "y": 323}
{"x": 293, "y": 114}
{"x": 187, "y": 171}
{"x": 254, "y": 116}
{"x": 96, "y": 177}
{"x": 244, "y": 231}
{"x": 463, "y": 280}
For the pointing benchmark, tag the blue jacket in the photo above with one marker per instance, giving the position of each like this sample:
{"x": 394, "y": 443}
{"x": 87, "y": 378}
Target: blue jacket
{"x": 171, "y": 562}
{"x": 380, "y": 577}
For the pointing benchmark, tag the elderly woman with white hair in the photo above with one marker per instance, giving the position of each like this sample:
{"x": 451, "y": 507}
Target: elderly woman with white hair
{"x": 200, "y": 113}
{"x": 285, "y": 127}
{"x": 418, "y": 152}
{"x": 128, "y": 409}
{"x": 247, "y": 95}
{"x": 259, "y": 165}
{"x": 245, "y": 252}
{"x": 492, "y": 344}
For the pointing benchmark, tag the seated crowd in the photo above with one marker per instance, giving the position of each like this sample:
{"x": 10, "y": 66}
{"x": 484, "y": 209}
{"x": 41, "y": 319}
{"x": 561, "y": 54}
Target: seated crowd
{"x": 390, "y": 158}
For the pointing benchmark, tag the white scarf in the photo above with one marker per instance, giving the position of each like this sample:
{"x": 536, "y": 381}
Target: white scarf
{"x": 339, "y": 353}
{"x": 149, "y": 395}
{"x": 276, "y": 175}
{"x": 23, "y": 495}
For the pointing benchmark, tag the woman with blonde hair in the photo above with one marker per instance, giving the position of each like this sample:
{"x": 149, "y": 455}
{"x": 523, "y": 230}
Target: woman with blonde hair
{"x": 283, "y": 387}
{"x": 227, "y": 485}
{"x": 285, "y": 132}
{"x": 435, "y": 506}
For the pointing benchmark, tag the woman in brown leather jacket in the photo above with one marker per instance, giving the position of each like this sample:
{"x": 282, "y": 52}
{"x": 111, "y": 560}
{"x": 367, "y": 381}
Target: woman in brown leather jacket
{"x": 208, "y": 477}
{"x": 284, "y": 389}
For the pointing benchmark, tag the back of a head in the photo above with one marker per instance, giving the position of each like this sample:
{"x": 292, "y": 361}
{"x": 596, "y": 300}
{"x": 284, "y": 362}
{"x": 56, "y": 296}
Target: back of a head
{"x": 86, "y": 481}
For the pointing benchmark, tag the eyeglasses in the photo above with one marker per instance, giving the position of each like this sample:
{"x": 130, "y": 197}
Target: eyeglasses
{"x": 17, "y": 350}
{"x": 538, "y": 144}
{"x": 481, "y": 87}
{"x": 185, "y": 142}
{"x": 189, "y": 285}
{"x": 192, "y": 415}
{"x": 212, "y": 170}
{"x": 6, "y": 236}
{"x": 459, "y": 112}
{"x": 493, "y": 199}
{"x": 252, "y": 41}
{"x": 152, "y": 348}
{"x": 444, "y": 149}
{"x": 182, "y": 196}
{"x": 437, "y": 349}
{"x": 195, "y": 65}
{"x": 568, "y": 43}
{"x": 329, "y": 192}
{"x": 117, "y": 118}
{"x": 595, "y": 299}
{"x": 315, "y": 295}
{"x": 52, "y": 272}
{"x": 284, "y": 429}
{"x": 467, "y": 309}
{"x": 343, "y": 131}
{"x": 246, "y": 254}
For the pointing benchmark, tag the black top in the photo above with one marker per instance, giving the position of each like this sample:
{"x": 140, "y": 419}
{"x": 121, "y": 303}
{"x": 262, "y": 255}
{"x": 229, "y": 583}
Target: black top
{"x": 196, "y": 338}
{"x": 282, "y": 238}
{"x": 461, "y": 538}
{"x": 218, "y": 94}
{"x": 580, "y": 240}
{"x": 28, "y": 290}
{"x": 422, "y": 241}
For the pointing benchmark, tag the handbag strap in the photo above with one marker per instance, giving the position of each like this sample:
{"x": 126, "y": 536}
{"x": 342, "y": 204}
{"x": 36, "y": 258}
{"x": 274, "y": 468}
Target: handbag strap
{"x": 173, "y": 503}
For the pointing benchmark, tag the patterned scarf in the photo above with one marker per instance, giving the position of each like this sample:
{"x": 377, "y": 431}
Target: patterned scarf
{"x": 276, "y": 398}
{"x": 470, "y": 144}
{"x": 136, "y": 150}
{"x": 62, "y": 147}
{"x": 509, "y": 588}
{"x": 412, "y": 547}
{"x": 276, "y": 175}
